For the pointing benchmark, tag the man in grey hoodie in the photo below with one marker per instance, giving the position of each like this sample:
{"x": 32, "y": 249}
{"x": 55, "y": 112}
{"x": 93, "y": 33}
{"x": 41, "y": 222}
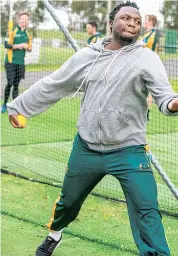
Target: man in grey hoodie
{"x": 117, "y": 74}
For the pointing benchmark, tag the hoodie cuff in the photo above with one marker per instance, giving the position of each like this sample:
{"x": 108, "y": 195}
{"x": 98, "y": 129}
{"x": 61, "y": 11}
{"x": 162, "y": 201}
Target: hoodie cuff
{"x": 11, "y": 110}
{"x": 166, "y": 111}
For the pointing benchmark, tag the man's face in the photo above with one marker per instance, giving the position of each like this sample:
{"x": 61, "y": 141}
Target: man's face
{"x": 90, "y": 29}
{"x": 127, "y": 25}
{"x": 24, "y": 21}
{"x": 147, "y": 23}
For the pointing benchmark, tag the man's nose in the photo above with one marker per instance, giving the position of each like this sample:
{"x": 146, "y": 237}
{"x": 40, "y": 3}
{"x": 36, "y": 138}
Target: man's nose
{"x": 131, "y": 23}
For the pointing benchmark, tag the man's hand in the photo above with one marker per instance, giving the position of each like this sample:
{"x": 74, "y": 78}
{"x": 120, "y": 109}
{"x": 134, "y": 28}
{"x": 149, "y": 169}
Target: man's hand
{"x": 20, "y": 46}
{"x": 14, "y": 121}
{"x": 29, "y": 49}
{"x": 173, "y": 105}
{"x": 25, "y": 46}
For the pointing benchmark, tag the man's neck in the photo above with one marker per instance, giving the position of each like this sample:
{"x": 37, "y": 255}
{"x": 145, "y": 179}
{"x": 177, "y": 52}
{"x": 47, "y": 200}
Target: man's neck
{"x": 116, "y": 45}
{"x": 148, "y": 29}
{"x": 22, "y": 28}
{"x": 94, "y": 33}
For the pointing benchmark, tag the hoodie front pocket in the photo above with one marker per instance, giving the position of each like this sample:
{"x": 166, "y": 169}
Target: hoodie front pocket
{"x": 114, "y": 127}
{"x": 88, "y": 126}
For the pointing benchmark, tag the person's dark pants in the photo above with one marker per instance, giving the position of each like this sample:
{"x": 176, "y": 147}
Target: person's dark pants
{"x": 14, "y": 73}
{"x": 131, "y": 166}
{"x": 148, "y": 115}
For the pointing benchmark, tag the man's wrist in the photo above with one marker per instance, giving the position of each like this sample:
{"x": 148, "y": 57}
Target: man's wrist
{"x": 17, "y": 46}
{"x": 14, "y": 47}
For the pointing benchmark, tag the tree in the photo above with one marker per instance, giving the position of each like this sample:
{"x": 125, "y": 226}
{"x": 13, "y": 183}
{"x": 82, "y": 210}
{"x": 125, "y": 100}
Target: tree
{"x": 37, "y": 16}
{"x": 170, "y": 12}
{"x": 92, "y": 10}
{"x": 5, "y": 9}
{"x": 36, "y": 12}
{"x": 86, "y": 10}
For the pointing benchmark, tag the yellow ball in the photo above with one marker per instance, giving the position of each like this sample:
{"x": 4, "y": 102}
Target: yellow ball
{"x": 22, "y": 120}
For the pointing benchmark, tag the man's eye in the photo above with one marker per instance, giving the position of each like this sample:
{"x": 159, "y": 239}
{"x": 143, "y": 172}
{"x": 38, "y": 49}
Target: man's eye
{"x": 125, "y": 18}
{"x": 138, "y": 22}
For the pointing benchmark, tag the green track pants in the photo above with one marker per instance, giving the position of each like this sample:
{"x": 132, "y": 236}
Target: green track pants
{"x": 131, "y": 167}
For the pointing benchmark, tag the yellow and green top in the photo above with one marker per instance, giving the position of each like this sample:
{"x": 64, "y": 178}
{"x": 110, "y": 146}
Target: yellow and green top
{"x": 150, "y": 39}
{"x": 17, "y": 36}
{"x": 94, "y": 38}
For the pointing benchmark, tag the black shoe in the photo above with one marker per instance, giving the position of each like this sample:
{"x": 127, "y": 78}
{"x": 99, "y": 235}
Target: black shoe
{"x": 48, "y": 246}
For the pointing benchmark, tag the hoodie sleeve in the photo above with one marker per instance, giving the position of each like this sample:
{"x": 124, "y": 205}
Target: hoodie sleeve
{"x": 50, "y": 89}
{"x": 157, "y": 83}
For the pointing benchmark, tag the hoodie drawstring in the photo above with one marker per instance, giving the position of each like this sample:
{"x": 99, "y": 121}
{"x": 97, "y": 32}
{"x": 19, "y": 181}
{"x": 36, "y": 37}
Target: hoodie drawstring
{"x": 113, "y": 59}
{"x": 107, "y": 69}
{"x": 87, "y": 74}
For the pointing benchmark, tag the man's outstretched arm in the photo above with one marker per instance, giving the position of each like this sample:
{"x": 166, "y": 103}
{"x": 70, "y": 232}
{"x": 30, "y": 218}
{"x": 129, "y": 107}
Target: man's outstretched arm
{"x": 156, "y": 81}
{"x": 50, "y": 89}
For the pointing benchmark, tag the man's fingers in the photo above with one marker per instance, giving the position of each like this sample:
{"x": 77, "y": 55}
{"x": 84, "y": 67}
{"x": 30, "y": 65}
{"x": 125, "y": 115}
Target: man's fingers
{"x": 13, "y": 120}
{"x": 175, "y": 105}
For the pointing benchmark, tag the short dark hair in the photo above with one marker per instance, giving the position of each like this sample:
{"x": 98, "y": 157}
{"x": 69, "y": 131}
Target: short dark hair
{"x": 152, "y": 18}
{"x": 23, "y": 13}
{"x": 119, "y": 6}
{"x": 92, "y": 23}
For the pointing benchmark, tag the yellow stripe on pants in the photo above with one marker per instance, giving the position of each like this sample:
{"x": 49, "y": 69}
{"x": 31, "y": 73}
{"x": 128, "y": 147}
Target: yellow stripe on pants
{"x": 53, "y": 211}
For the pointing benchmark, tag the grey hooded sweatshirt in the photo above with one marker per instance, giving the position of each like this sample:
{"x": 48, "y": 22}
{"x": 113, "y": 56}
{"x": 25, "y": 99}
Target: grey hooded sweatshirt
{"x": 114, "y": 107}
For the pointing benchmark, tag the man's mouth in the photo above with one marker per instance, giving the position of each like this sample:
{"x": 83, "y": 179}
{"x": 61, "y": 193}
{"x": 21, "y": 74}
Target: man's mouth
{"x": 129, "y": 32}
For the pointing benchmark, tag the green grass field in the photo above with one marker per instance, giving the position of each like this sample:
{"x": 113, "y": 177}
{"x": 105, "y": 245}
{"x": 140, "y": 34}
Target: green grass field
{"x": 57, "y": 34}
{"x": 101, "y": 229}
{"x": 50, "y": 58}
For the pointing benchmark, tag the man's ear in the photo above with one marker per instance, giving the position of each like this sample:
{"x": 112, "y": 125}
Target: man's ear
{"x": 110, "y": 24}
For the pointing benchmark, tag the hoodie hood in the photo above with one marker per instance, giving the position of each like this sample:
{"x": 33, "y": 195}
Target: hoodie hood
{"x": 99, "y": 45}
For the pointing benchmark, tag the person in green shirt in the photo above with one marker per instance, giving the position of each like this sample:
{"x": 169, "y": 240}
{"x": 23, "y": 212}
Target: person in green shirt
{"x": 91, "y": 29}
{"x": 17, "y": 43}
